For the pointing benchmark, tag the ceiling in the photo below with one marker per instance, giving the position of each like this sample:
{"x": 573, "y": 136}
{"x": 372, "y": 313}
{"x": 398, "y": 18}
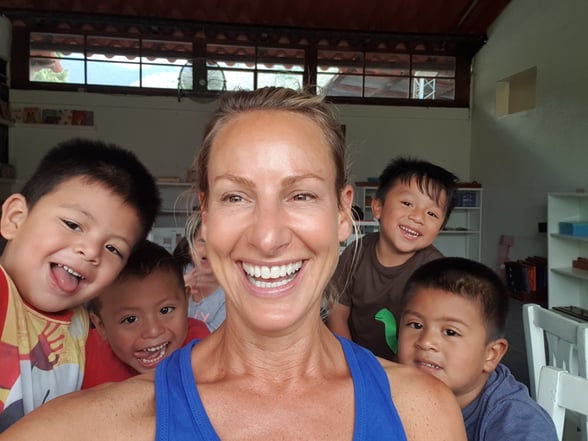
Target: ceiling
{"x": 444, "y": 17}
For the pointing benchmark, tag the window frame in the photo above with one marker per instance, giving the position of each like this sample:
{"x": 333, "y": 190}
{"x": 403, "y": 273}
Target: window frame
{"x": 463, "y": 48}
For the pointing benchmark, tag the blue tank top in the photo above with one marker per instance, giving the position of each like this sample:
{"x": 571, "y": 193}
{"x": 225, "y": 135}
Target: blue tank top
{"x": 181, "y": 415}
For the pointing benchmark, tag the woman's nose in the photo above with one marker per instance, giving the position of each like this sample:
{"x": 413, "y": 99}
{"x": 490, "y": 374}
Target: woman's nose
{"x": 269, "y": 229}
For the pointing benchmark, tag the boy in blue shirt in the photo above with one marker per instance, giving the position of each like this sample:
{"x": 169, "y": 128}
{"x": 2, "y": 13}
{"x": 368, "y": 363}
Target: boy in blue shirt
{"x": 452, "y": 327}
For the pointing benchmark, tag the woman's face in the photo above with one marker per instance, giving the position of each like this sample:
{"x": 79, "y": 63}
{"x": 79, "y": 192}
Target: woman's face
{"x": 272, "y": 222}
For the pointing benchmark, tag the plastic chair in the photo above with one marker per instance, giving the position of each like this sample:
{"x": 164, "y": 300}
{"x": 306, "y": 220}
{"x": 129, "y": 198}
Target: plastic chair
{"x": 552, "y": 339}
{"x": 560, "y": 391}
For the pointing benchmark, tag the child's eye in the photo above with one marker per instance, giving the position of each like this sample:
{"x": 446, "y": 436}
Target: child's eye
{"x": 130, "y": 319}
{"x": 71, "y": 225}
{"x": 166, "y": 310}
{"x": 451, "y": 333}
{"x": 433, "y": 214}
{"x": 414, "y": 325}
{"x": 406, "y": 203}
{"x": 113, "y": 250}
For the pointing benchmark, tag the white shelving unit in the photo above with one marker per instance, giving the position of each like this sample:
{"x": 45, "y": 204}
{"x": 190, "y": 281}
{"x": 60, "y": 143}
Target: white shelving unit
{"x": 462, "y": 236}
{"x": 364, "y": 193}
{"x": 567, "y": 286}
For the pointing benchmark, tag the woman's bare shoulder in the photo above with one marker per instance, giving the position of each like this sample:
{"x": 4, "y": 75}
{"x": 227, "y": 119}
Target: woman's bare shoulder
{"x": 427, "y": 407}
{"x": 114, "y": 411}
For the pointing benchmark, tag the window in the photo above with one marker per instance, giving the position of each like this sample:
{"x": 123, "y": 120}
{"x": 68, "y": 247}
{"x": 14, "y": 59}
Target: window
{"x": 169, "y": 59}
{"x": 386, "y": 75}
{"x": 106, "y": 61}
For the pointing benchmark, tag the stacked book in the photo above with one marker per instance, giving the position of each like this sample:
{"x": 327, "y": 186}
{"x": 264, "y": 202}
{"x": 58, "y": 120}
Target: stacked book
{"x": 528, "y": 276}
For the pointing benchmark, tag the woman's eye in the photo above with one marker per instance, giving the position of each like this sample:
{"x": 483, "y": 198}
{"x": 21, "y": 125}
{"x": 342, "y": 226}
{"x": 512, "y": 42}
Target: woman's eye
{"x": 166, "y": 310}
{"x": 112, "y": 249}
{"x": 72, "y": 225}
{"x": 130, "y": 319}
{"x": 303, "y": 197}
{"x": 232, "y": 198}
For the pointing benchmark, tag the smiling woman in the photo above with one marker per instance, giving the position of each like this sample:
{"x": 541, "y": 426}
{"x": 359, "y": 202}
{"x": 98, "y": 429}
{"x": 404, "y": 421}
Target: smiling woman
{"x": 275, "y": 204}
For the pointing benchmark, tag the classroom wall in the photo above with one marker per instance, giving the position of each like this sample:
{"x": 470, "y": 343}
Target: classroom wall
{"x": 165, "y": 133}
{"x": 521, "y": 157}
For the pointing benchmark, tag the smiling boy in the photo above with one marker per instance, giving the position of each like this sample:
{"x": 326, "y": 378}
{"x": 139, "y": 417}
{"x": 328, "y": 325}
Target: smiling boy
{"x": 140, "y": 319}
{"x": 452, "y": 327}
{"x": 412, "y": 204}
{"x": 69, "y": 233}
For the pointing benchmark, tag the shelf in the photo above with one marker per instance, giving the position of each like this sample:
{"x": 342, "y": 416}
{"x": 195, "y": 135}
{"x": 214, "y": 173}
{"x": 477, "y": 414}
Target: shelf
{"x": 569, "y": 237}
{"x": 6, "y": 122}
{"x": 465, "y": 208}
{"x": 571, "y": 272}
{"x": 52, "y": 126}
{"x": 459, "y": 232}
{"x": 173, "y": 184}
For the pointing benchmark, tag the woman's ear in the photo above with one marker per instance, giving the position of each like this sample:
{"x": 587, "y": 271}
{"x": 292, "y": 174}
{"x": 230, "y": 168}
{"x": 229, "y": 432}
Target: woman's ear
{"x": 345, "y": 215}
{"x": 495, "y": 350}
{"x": 14, "y": 213}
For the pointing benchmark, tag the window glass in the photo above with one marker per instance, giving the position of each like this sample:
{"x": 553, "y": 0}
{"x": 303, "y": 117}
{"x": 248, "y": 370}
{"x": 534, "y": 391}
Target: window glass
{"x": 239, "y": 63}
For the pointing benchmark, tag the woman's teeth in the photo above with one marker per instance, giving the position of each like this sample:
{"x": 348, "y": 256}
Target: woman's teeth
{"x": 268, "y": 274}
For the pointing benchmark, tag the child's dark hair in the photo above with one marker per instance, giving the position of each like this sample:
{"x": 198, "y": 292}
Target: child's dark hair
{"x": 182, "y": 252}
{"x": 431, "y": 179}
{"x": 146, "y": 258}
{"x": 469, "y": 279}
{"x": 108, "y": 164}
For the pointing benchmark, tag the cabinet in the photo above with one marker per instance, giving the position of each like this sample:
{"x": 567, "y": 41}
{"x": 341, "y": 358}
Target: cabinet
{"x": 177, "y": 204}
{"x": 567, "y": 286}
{"x": 461, "y": 237}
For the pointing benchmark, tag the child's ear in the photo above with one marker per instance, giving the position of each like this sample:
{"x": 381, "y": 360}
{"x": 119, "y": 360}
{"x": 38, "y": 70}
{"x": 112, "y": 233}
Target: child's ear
{"x": 98, "y": 324}
{"x": 14, "y": 212}
{"x": 376, "y": 208}
{"x": 495, "y": 350}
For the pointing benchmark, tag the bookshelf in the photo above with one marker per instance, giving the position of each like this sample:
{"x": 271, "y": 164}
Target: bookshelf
{"x": 567, "y": 286}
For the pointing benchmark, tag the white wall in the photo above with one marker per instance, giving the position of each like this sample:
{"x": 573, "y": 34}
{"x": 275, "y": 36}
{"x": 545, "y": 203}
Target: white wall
{"x": 519, "y": 158}
{"x": 166, "y": 133}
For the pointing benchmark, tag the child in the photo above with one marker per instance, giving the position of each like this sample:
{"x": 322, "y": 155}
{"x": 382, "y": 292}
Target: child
{"x": 452, "y": 327}
{"x": 69, "y": 233}
{"x": 207, "y": 298}
{"x": 140, "y": 319}
{"x": 412, "y": 204}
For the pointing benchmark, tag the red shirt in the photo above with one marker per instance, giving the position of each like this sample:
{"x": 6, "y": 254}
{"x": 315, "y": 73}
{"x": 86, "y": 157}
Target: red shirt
{"x": 103, "y": 366}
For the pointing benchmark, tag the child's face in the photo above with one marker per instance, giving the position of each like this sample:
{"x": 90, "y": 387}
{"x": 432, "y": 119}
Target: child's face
{"x": 69, "y": 246}
{"x": 443, "y": 334}
{"x": 409, "y": 219}
{"x": 200, "y": 248}
{"x": 144, "y": 319}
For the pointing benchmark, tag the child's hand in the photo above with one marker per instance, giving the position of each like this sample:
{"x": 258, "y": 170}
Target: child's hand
{"x": 201, "y": 281}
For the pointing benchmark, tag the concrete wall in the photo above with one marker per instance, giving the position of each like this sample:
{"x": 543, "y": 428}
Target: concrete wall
{"x": 521, "y": 157}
